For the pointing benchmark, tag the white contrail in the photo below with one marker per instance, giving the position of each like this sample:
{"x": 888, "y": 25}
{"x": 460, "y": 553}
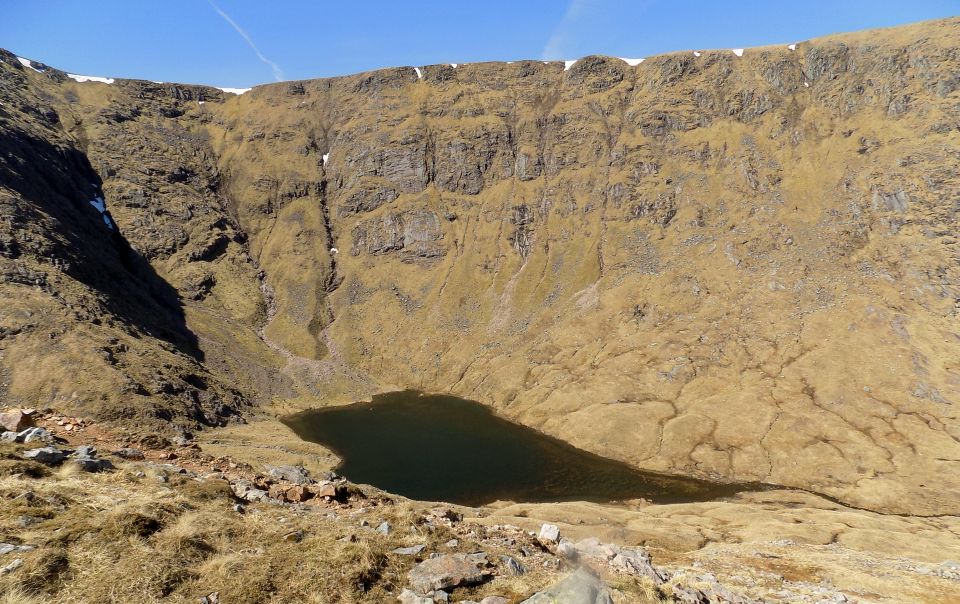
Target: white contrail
{"x": 277, "y": 72}
{"x": 556, "y": 45}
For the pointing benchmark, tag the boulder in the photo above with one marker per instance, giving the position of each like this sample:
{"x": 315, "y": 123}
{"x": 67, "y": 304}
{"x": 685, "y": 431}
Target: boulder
{"x": 294, "y": 474}
{"x": 566, "y": 549}
{"x": 443, "y": 572}
{"x": 328, "y": 491}
{"x": 579, "y": 588}
{"x": 34, "y": 435}
{"x": 549, "y": 533}
{"x": 50, "y": 456}
{"x": 297, "y": 494}
{"x": 15, "y": 420}
{"x": 244, "y": 489}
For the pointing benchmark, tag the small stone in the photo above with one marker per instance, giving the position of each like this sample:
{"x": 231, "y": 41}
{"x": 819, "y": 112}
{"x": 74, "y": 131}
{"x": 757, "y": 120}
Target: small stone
{"x": 6, "y": 548}
{"x": 129, "y": 453}
{"x": 92, "y": 464}
{"x": 452, "y": 543}
{"x": 494, "y": 600}
{"x": 297, "y": 494}
{"x": 413, "y": 550}
{"x": 440, "y": 596}
{"x": 9, "y": 568}
{"x": 328, "y": 491}
{"x": 512, "y": 566}
{"x": 294, "y": 537}
{"x": 211, "y": 598}
{"x": 549, "y": 533}
{"x": 238, "y": 508}
{"x": 409, "y": 597}
{"x": 50, "y": 456}
{"x": 383, "y": 528}
{"x": 85, "y": 451}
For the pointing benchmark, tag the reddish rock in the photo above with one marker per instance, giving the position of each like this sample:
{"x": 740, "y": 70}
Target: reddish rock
{"x": 15, "y": 421}
{"x": 297, "y": 493}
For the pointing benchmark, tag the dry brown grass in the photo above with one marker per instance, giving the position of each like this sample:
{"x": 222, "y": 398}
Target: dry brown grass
{"x": 118, "y": 537}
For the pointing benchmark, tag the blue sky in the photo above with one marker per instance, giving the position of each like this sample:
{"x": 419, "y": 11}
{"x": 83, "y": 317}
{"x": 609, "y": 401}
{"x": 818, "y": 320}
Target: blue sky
{"x": 247, "y": 42}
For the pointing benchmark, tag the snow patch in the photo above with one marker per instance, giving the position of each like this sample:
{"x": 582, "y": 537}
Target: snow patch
{"x": 696, "y": 53}
{"x": 83, "y": 78}
{"x": 334, "y": 250}
{"x": 568, "y": 64}
{"x": 631, "y": 62}
{"x": 237, "y": 91}
{"x": 419, "y": 73}
{"x": 454, "y": 65}
{"x": 326, "y": 156}
{"x": 28, "y": 63}
{"x": 738, "y": 52}
{"x": 792, "y": 47}
{"x": 806, "y": 84}
{"x": 200, "y": 102}
{"x": 101, "y": 206}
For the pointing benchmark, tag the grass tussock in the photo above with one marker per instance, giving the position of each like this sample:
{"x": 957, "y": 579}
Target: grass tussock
{"x": 120, "y": 537}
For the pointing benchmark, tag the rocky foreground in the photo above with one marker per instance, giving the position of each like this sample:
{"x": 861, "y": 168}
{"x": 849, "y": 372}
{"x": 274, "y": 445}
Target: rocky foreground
{"x": 82, "y": 497}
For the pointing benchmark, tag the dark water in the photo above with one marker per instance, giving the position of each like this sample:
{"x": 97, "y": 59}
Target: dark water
{"x": 443, "y": 448}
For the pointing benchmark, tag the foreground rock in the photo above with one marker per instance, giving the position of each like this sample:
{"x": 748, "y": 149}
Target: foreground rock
{"x": 85, "y": 458}
{"x": 295, "y": 474}
{"x": 28, "y": 435}
{"x": 50, "y": 456}
{"x": 15, "y": 420}
{"x": 444, "y": 572}
{"x": 579, "y": 588}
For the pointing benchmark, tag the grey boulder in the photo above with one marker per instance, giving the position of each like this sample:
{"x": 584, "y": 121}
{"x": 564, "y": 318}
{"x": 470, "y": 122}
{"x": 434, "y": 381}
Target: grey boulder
{"x": 50, "y": 456}
{"x": 579, "y": 588}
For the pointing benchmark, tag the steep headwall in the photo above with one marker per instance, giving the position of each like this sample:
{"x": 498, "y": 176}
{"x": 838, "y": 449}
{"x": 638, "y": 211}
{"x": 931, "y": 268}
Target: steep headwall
{"x": 738, "y": 267}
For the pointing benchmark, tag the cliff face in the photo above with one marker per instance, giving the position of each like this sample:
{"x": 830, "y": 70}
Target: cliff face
{"x": 739, "y": 267}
